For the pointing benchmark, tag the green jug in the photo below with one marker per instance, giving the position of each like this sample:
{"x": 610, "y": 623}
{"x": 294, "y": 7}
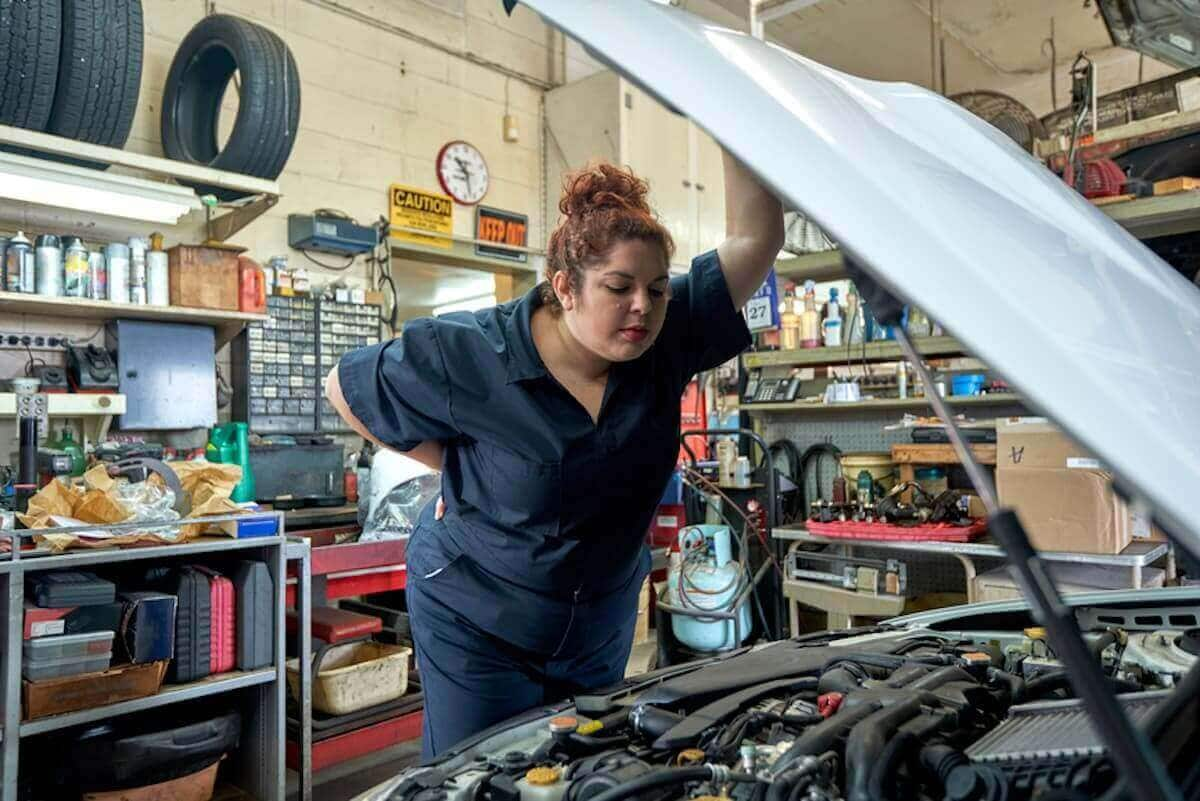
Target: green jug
{"x": 67, "y": 444}
{"x": 230, "y": 444}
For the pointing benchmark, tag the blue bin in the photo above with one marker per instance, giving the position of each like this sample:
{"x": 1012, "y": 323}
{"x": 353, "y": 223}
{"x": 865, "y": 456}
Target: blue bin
{"x": 968, "y": 384}
{"x": 251, "y": 526}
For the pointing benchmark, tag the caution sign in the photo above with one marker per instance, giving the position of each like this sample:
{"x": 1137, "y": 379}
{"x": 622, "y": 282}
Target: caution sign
{"x": 503, "y": 228}
{"x": 419, "y": 208}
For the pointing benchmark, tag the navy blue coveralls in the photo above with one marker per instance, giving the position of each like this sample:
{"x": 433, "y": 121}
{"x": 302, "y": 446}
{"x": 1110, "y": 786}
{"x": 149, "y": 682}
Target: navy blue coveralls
{"x": 526, "y": 591}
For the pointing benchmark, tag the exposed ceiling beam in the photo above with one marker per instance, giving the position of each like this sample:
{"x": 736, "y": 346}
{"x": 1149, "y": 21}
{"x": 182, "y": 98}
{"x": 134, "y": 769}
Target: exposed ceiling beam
{"x": 770, "y": 10}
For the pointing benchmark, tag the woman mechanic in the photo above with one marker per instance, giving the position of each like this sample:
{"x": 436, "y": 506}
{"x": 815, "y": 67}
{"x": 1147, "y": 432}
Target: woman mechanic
{"x": 554, "y": 419}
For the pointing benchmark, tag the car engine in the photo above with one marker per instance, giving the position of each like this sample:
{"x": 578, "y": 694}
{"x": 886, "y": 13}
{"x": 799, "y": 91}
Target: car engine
{"x": 879, "y": 715}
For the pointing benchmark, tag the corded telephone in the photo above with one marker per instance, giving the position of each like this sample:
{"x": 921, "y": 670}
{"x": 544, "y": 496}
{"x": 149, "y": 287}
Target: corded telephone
{"x": 771, "y": 389}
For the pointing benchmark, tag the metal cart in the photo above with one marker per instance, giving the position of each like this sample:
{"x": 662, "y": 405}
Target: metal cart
{"x": 775, "y": 551}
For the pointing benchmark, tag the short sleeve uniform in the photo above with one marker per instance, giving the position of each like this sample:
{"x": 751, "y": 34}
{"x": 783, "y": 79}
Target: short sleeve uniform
{"x": 547, "y": 511}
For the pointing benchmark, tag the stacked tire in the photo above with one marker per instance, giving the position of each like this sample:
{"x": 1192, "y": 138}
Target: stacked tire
{"x": 72, "y": 68}
{"x": 268, "y": 105}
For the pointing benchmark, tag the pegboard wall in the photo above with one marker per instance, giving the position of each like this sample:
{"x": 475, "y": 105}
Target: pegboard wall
{"x": 856, "y": 432}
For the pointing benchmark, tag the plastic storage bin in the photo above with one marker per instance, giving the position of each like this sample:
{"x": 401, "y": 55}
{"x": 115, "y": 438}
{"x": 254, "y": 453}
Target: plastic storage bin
{"x": 68, "y": 646}
{"x": 69, "y": 666}
{"x": 967, "y": 384}
{"x": 354, "y": 675}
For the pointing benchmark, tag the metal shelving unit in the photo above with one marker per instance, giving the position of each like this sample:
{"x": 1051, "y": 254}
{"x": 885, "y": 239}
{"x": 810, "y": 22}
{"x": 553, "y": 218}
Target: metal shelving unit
{"x": 880, "y": 351}
{"x": 882, "y": 404}
{"x": 259, "y": 767}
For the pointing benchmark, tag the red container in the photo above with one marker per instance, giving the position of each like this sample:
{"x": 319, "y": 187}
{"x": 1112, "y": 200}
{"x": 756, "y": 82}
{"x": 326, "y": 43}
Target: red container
{"x": 667, "y": 522}
{"x": 252, "y": 286}
{"x": 222, "y": 626}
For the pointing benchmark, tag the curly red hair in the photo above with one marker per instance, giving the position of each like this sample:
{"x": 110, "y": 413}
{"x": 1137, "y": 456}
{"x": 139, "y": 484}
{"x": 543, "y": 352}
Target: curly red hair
{"x": 602, "y": 205}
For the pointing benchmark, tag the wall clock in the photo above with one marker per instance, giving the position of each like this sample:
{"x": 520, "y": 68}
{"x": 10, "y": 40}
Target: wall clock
{"x": 462, "y": 172}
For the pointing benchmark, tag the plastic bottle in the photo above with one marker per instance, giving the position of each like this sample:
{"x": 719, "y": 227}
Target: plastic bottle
{"x": 158, "y": 273}
{"x": 853, "y": 330}
{"x": 789, "y": 320}
{"x": 67, "y": 444}
{"x": 18, "y": 265}
{"x": 726, "y": 462}
{"x": 810, "y": 318}
{"x": 252, "y": 286}
{"x": 831, "y": 326}
{"x": 116, "y": 256}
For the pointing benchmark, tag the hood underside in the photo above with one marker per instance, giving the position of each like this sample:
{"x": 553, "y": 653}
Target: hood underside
{"x": 1092, "y": 328}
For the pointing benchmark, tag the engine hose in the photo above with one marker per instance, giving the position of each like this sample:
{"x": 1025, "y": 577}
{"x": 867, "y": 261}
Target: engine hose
{"x": 820, "y": 738}
{"x": 896, "y": 748}
{"x": 936, "y": 678}
{"x": 907, "y": 675}
{"x": 867, "y": 741}
{"x": 666, "y": 777}
{"x": 1046, "y": 683}
{"x": 1015, "y": 684}
{"x": 908, "y": 736}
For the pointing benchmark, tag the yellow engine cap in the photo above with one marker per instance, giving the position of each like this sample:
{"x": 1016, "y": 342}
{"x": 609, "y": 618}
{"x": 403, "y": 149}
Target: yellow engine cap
{"x": 591, "y": 727}
{"x": 543, "y": 776}
{"x": 690, "y": 756}
{"x": 1035, "y": 633}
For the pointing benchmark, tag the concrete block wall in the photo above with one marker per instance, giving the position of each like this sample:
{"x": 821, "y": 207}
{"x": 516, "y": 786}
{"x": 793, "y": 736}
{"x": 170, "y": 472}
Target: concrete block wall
{"x": 385, "y": 83}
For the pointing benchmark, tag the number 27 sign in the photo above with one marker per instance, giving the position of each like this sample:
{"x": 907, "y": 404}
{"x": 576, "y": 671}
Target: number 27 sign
{"x": 762, "y": 310}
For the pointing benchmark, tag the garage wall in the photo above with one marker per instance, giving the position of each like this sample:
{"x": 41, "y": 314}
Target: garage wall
{"x": 384, "y": 84}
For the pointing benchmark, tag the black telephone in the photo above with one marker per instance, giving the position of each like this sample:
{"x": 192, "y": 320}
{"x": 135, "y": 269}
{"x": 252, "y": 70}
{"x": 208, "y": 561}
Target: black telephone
{"x": 773, "y": 389}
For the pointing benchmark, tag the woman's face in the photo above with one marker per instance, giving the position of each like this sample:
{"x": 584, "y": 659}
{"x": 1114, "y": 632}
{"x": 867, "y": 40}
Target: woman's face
{"x": 619, "y": 310}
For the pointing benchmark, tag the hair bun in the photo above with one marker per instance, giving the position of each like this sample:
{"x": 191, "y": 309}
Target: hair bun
{"x": 603, "y": 186}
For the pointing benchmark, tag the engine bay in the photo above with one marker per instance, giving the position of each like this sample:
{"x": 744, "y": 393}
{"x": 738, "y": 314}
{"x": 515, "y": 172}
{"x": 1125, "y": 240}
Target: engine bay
{"x": 881, "y": 714}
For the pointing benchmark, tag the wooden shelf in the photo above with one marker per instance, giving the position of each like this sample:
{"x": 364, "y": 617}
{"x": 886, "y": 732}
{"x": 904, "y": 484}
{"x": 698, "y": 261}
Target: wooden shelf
{"x": 63, "y": 405}
{"x": 825, "y": 265}
{"x": 934, "y": 453}
{"x": 884, "y": 404}
{"x": 226, "y": 323}
{"x": 1145, "y": 218}
{"x": 881, "y": 351}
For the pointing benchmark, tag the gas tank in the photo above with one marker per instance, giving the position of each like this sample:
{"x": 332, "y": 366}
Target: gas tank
{"x": 704, "y": 577}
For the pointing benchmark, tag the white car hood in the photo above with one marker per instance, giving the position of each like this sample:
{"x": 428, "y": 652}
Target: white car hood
{"x": 1091, "y": 327}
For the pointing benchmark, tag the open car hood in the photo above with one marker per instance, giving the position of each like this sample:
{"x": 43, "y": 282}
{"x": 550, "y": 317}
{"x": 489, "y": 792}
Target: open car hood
{"x": 1091, "y": 327}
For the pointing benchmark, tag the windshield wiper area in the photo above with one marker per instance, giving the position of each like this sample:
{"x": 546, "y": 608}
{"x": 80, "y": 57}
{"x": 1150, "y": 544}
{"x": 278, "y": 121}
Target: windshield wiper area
{"x": 1138, "y": 764}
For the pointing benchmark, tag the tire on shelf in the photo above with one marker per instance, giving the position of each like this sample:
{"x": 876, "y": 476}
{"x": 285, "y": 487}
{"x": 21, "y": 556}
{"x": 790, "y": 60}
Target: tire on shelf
{"x": 29, "y": 50}
{"x": 99, "y": 74}
{"x": 269, "y": 103}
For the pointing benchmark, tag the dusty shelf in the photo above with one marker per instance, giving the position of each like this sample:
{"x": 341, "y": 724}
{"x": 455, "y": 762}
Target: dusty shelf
{"x": 882, "y": 351}
{"x": 884, "y": 404}
{"x": 226, "y": 323}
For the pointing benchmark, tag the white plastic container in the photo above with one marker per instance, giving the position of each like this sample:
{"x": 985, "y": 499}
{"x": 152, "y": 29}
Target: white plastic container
{"x": 158, "y": 279}
{"x": 354, "y": 676}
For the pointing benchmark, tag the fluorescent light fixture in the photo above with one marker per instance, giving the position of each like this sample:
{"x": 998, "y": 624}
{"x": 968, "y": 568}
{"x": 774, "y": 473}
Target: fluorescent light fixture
{"x": 469, "y": 304}
{"x": 65, "y": 186}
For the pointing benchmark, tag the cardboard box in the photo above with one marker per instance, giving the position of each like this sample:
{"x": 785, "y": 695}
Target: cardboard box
{"x": 641, "y": 630}
{"x": 1062, "y": 493}
{"x": 998, "y": 585}
{"x": 204, "y": 276}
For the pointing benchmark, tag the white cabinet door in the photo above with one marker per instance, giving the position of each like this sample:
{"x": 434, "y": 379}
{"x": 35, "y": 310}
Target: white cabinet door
{"x": 655, "y": 143}
{"x": 710, "y": 191}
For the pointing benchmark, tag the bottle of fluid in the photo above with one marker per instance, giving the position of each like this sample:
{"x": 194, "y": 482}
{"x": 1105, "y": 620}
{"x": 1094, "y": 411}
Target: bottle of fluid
{"x": 853, "y": 332}
{"x": 831, "y": 326}
{"x": 810, "y": 318}
{"x": 789, "y": 320}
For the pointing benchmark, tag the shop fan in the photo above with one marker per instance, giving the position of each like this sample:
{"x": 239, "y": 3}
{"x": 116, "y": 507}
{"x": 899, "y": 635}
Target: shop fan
{"x": 1011, "y": 117}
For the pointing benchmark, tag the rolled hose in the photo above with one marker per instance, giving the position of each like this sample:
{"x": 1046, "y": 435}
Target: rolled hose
{"x": 669, "y": 776}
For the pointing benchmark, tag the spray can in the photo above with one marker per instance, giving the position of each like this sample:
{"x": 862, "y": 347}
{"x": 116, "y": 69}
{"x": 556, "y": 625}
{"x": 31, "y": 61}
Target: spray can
{"x": 75, "y": 268}
{"x": 48, "y": 265}
{"x": 116, "y": 256}
{"x": 3, "y": 248}
{"x": 97, "y": 276}
{"x": 137, "y": 270}
{"x": 18, "y": 265}
{"x": 158, "y": 278}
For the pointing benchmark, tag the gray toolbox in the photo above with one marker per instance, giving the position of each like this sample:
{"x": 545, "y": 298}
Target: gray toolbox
{"x": 255, "y": 624}
{"x": 66, "y": 655}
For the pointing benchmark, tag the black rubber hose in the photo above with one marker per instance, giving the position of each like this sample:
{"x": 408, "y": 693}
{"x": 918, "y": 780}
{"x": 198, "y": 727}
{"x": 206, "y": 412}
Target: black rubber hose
{"x": 937, "y": 678}
{"x": 666, "y": 777}
{"x": 820, "y": 738}
{"x": 1015, "y": 684}
{"x": 907, "y": 675}
{"x": 1046, "y": 683}
{"x": 896, "y": 748}
{"x": 867, "y": 741}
